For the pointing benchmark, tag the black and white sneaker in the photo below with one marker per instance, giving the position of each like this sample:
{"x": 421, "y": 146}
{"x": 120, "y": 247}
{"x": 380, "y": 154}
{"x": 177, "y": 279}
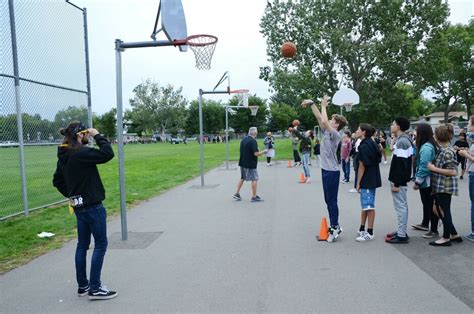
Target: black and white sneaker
{"x": 82, "y": 291}
{"x": 237, "y": 197}
{"x": 256, "y": 199}
{"x": 102, "y": 294}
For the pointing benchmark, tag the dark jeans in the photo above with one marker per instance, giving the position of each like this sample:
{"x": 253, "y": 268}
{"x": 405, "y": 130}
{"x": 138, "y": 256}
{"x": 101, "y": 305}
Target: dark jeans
{"x": 443, "y": 202}
{"x": 91, "y": 220}
{"x": 428, "y": 216}
{"x": 296, "y": 156}
{"x": 331, "y": 188}
{"x": 471, "y": 197}
{"x": 346, "y": 169}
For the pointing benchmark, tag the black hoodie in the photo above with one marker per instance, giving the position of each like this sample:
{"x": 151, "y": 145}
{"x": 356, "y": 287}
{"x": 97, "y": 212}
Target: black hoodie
{"x": 77, "y": 177}
{"x": 370, "y": 155}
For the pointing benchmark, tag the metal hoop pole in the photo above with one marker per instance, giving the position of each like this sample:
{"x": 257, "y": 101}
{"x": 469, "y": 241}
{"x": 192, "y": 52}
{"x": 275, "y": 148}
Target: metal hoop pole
{"x": 201, "y": 137}
{"x": 118, "y": 71}
{"x": 226, "y": 138}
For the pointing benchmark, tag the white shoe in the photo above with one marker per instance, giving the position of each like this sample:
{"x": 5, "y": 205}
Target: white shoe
{"x": 343, "y": 181}
{"x": 366, "y": 237}
{"x": 352, "y": 190}
{"x": 360, "y": 233}
{"x": 268, "y": 165}
{"x": 308, "y": 180}
{"x": 334, "y": 234}
{"x": 385, "y": 162}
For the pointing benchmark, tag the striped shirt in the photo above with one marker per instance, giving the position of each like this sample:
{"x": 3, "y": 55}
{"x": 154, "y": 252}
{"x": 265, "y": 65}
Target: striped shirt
{"x": 446, "y": 159}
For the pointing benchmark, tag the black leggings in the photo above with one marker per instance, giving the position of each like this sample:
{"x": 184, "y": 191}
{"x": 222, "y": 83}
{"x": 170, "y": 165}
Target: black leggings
{"x": 443, "y": 208}
{"x": 428, "y": 216}
{"x": 296, "y": 156}
{"x": 269, "y": 159}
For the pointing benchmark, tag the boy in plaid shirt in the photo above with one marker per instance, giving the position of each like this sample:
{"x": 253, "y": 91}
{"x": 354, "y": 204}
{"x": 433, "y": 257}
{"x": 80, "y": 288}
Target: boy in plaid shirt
{"x": 444, "y": 183}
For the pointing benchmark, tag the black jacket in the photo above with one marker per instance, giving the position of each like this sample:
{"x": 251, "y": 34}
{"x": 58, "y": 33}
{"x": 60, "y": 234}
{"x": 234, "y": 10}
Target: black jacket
{"x": 77, "y": 177}
{"x": 400, "y": 168}
{"x": 305, "y": 144}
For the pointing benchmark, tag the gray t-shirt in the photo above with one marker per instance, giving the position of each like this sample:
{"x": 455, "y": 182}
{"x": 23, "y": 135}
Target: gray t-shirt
{"x": 329, "y": 149}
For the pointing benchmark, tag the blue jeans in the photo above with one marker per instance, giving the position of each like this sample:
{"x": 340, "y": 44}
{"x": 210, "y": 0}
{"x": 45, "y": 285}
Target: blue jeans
{"x": 331, "y": 188}
{"x": 346, "y": 169}
{"x": 471, "y": 197}
{"x": 305, "y": 160}
{"x": 91, "y": 220}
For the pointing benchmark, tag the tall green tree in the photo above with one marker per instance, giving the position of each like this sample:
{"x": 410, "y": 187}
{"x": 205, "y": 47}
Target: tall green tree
{"x": 448, "y": 68}
{"x": 106, "y": 123}
{"x": 213, "y": 116}
{"x": 241, "y": 120}
{"x": 71, "y": 113}
{"x": 281, "y": 116}
{"x": 358, "y": 43}
{"x": 157, "y": 108}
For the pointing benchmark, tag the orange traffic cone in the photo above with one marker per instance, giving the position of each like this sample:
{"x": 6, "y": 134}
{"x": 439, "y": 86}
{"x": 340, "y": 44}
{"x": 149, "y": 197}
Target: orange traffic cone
{"x": 302, "y": 178}
{"x": 289, "y": 164}
{"x": 323, "y": 230}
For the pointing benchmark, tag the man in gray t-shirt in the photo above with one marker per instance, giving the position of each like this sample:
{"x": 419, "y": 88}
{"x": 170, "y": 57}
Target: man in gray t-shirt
{"x": 329, "y": 165}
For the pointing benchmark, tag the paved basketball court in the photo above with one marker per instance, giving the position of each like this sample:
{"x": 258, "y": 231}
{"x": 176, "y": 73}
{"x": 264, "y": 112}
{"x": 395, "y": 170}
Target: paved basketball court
{"x": 196, "y": 249}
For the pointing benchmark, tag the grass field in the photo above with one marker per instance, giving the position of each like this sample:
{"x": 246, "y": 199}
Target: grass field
{"x": 150, "y": 169}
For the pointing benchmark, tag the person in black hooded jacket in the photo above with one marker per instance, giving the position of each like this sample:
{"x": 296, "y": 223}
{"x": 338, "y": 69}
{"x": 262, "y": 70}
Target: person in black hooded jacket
{"x": 77, "y": 178}
{"x": 368, "y": 179}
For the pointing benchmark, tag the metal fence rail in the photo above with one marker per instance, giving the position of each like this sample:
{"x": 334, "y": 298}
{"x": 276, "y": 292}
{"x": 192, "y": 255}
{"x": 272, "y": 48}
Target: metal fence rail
{"x": 44, "y": 84}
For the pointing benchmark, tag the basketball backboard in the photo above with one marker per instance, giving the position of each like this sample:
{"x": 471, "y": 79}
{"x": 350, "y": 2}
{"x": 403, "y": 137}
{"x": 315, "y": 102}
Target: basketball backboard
{"x": 173, "y": 21}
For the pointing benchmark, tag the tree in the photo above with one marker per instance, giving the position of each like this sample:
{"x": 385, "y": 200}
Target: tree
{"x": 106, "y": 123}
{"x": 157, "y": 108}
{"x": 447, "y": 69}
{"x": 360, "y": 43}
{"x": 281, "y": 116}
{"x": 241, "y": 120}
{"x": 213, "y": 116}
{"x": 72, "y": 113}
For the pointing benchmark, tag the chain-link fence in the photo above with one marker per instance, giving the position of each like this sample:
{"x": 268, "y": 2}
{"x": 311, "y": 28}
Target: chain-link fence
{"x": 43, "y": 86}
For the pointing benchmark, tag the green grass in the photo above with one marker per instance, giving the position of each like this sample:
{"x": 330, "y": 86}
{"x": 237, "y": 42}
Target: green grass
{"x": 150, "y": 170}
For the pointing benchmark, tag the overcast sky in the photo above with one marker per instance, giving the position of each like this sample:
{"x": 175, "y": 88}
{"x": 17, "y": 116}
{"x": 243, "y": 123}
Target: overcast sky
{"x": 241, "y": 48}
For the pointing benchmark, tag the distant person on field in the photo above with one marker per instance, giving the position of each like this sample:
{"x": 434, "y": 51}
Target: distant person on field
{"x": 346, "y": 147}
{"x": 77, "y": 178}
{"x": 269, "y": 143}
{"x": 296, "y": 155}
{"x": 368, "y": 180}
{"x": 459, "y": 145}
{"x": 329, "y": 164}
{"x": 248, "y": 164}
{"x": 305, "y": 149}
{"x": 317, "y": 152}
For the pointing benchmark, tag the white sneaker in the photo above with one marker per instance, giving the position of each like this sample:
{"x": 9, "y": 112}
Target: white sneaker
{"x": 385, "y": 162}
{"x": 365, "y": 237}
{"x": 343, "y": 181}
{"x": 334, "y": 233}
{"x": 360, "y": 233}
{"x": 308, "y": 180}
{"x": 352, "y": 190}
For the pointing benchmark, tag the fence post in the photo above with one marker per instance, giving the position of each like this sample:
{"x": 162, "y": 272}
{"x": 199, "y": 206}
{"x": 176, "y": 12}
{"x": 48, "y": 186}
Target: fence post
{"x": 19, "y": 119}
{"x": 88, "y": 74}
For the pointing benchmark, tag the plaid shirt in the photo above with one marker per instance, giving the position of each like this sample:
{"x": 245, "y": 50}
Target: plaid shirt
{"x": 446, "y": 159}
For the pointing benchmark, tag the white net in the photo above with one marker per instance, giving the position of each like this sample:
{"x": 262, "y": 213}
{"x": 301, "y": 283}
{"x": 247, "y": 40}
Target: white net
{"x": 253, "y": 110}
{"x": 203, "y": 47}
{"x": 348, "y": 107}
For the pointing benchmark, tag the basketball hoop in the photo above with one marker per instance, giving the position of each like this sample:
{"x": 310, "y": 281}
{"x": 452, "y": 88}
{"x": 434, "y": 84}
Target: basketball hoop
{"x": 253, "y": 110}
{"x": 348, "y": 107}
{"x": 203, "y": 47}
{"x": 243, "y": 95}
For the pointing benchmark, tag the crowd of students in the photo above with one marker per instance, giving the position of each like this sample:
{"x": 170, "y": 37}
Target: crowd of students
{"x": 426, "y": 158}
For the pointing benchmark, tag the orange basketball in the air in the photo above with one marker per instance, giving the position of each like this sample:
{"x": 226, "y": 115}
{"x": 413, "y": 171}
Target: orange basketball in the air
{"x": 296, "y": 122}
{"x": 288, "y": 49}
